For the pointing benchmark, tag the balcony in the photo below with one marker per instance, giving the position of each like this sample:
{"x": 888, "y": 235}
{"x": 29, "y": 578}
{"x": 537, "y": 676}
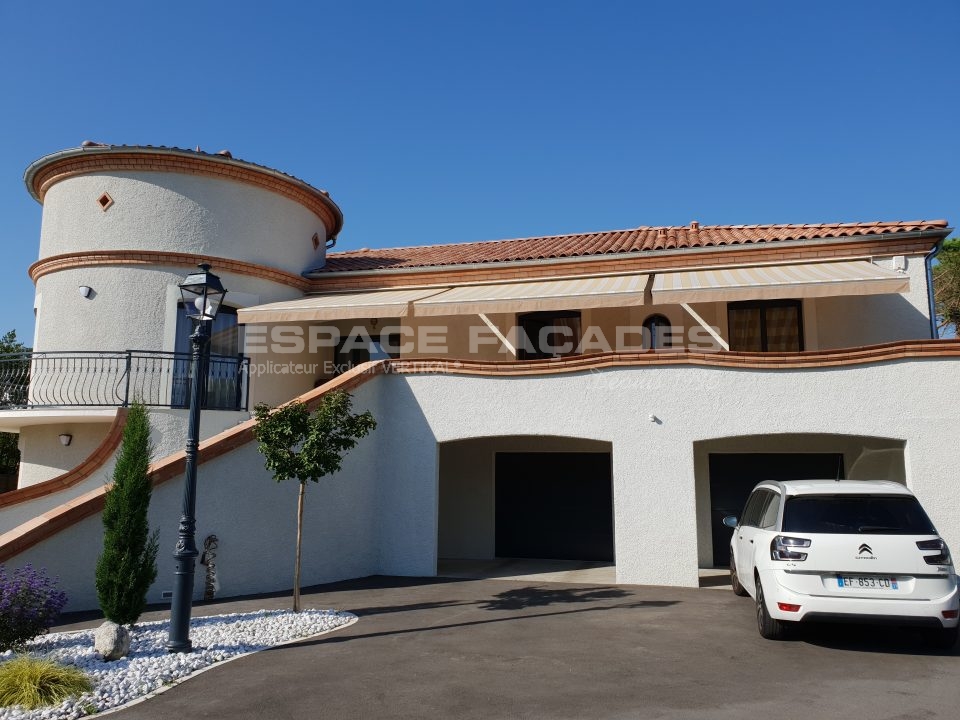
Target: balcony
{"x": 115, "y": 379}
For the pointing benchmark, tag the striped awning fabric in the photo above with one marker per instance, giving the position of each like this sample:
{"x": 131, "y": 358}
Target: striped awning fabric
{"x": 769, "y": 282}
{"x": 337, "y": 306}
{"x": 571, "y": 294}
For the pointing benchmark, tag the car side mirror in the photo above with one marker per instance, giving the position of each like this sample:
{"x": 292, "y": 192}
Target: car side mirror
{"x": 730, "y": 521}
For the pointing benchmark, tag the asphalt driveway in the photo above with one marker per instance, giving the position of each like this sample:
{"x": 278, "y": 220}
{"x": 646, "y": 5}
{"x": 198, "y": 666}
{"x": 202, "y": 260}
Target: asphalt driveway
{"x": 436, "y": 648}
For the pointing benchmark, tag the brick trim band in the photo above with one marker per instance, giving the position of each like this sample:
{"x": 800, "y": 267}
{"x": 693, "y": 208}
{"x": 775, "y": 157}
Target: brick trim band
{"x": 50, "y": 523}
{"x": 92, "y": 258}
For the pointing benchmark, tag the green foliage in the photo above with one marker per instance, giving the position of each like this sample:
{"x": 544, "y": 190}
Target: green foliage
{"x": 298, "y": 444}
{"x": 128, "y": 565}
{"x": 946, "y": 284}
{"x": 13, "y": 393}
{"x": 33, "y": 682}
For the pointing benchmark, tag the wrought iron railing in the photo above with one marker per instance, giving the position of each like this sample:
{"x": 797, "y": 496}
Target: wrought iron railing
{"x": 157, "y": 379}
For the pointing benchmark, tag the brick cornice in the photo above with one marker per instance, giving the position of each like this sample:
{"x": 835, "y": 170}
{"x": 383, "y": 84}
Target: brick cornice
{"x": 46, "y": 172}
{"x": 50, "y": 523}
{"x": 636, "y": 263}
{"x": 92, "y": 258}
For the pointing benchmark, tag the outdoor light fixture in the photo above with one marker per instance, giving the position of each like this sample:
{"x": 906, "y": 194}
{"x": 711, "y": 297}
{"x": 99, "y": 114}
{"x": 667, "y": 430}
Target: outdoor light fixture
{"x": 65, "y": 439}
{"x": 202, "y": 294}
{"x": 85, "y": 290}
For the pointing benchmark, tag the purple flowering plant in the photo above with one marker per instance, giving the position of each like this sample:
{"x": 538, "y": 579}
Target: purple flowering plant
{"x": 30, "y": 603}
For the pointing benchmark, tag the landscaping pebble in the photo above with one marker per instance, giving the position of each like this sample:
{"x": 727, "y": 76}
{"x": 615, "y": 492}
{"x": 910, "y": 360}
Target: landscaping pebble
{"x": 149, "y": 667}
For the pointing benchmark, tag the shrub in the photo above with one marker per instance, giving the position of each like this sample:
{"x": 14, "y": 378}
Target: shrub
{"x": 30, "y": 603}
{"x": 128, "y": 564}
{"x": 33, "y": 683}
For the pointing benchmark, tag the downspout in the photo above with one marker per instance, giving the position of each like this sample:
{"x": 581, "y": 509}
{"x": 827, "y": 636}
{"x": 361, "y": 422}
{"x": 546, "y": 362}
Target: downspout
{"x": 927, "y": 261}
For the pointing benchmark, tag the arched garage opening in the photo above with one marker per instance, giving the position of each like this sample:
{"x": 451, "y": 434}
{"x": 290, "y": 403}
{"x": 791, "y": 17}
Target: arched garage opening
{"x": 728, "y": 468}
{"x": 525, "y": 497}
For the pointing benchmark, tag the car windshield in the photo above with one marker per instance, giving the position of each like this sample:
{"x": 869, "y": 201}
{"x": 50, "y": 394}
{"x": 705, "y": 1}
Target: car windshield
{"x": 852, "y": 514}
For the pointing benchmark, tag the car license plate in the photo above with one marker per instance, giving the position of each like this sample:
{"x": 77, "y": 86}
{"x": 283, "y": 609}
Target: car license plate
{"x": 867, "y": 582}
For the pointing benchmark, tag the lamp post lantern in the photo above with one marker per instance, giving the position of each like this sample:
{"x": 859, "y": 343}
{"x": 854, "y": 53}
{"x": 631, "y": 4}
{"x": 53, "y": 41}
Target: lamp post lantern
{"x": 202, "y": 294}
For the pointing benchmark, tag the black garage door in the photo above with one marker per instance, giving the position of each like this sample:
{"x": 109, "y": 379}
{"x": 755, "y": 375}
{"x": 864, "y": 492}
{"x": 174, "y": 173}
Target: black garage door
{"x": 734, "y": 475}
{"x": 554, "y": 505}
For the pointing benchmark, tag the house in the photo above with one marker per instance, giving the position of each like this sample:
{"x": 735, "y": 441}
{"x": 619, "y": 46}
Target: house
{"x": 607, "y": 396}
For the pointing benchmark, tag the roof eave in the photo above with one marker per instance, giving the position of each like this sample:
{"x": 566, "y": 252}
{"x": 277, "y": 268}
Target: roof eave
{"x": 937, "y": 235}
{"x": 36, "y": 166}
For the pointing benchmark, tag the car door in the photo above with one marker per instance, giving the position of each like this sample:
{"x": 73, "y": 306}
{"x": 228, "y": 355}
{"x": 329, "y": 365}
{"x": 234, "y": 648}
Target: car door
{"x": 746, "y": 535}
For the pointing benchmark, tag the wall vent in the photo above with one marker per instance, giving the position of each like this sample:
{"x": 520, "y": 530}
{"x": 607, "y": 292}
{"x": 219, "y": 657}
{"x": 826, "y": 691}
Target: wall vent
{"x": 105, "y": 201}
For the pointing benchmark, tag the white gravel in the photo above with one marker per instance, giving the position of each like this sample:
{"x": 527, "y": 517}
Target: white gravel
{"x": 149, "y": 668}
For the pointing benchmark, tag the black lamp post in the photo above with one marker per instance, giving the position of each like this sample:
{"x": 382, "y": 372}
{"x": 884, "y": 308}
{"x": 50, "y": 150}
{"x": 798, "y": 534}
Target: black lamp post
{"x": 202, "y": 294}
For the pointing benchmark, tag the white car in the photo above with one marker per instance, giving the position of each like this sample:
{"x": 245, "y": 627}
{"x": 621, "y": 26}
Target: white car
{"x": 847, "y": 550}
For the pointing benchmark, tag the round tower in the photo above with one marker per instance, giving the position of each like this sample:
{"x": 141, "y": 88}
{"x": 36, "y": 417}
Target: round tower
{"x": 122, "y": 226}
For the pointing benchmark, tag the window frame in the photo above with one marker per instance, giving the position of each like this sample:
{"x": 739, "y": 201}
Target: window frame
{"x": 763, "y": 305}
{"x": 650, "y": 337}
{"x": 546, "y": 316}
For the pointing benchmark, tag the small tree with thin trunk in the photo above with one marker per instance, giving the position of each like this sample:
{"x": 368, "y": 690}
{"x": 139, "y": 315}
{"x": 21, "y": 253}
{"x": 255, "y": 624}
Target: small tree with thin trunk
{"x": 128, "y": 565}
{"x": 297, "y": 443}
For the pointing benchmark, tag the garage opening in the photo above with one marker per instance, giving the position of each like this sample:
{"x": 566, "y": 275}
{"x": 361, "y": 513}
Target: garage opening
{"x": 555, "y": 506}
{"x": 734, "y": 475}
{"x": 544, "y": 504}
{"x": 727, "y": 469}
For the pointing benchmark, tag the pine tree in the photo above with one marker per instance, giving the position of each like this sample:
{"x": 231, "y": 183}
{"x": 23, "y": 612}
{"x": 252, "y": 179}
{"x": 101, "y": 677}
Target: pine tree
{"x": 128, "y": 565}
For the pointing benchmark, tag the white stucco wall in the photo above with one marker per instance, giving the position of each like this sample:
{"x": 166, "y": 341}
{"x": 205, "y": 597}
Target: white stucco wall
{"x": 168, "y": 436}
{"x": 380, "y": 515}
{"x": 43, "y": 456}
{"x": 850, "y": 321}
{"x": 180, "y": 212}
{"x": 131, "y": 307}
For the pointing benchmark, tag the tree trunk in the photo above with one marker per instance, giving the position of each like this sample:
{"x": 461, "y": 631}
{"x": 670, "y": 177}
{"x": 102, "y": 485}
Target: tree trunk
{"x": 296, "y": 571}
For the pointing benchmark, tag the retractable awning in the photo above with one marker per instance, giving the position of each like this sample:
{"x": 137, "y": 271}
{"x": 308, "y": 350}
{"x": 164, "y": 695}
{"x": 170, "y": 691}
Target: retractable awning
{"x": 337, "y": 306}
{"x": 575, "y": 293}
{"x": 851, "y": 277}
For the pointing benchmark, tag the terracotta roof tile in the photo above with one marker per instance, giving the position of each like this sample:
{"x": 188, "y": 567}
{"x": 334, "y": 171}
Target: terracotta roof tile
{"x": 641, "y": 239}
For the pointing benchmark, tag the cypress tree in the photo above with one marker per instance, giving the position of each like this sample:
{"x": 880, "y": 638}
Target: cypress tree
{"x": 128, "y": 565}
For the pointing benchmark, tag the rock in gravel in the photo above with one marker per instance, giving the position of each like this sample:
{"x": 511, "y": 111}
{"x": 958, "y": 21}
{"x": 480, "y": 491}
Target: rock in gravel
{"x": 112, "y": 641}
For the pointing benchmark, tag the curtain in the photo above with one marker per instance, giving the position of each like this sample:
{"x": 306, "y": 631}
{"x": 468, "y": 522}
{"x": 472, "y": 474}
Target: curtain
{"x": 745, "y": 329}
{"x": 783, "y": 329}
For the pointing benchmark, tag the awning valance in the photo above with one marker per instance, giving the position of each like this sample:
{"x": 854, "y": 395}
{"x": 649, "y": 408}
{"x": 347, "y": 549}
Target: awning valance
{"x": 570, "y": 294}
{"x": 769, "y": 282}
{"x": 337, "y": 306}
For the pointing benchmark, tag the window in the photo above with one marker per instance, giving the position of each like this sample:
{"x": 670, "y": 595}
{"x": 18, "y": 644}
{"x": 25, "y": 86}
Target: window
{"x": 754, "y": 508}
{"x": 380, "y": 347}
{"x": 768, "y": 517}
{"x": 224, "y": 383}
{"x": 548, "y": 335}
{"x": 851, "y": 514}
{"x": 656, "y": 329}
{"x": 766, "y": 326}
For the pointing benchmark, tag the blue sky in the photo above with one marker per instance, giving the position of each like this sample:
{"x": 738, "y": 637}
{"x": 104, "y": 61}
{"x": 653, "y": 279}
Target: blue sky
{"x": 436, "y": 122}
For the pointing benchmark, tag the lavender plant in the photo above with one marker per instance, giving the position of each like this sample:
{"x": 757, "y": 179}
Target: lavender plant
{"x": 30, "y": 603}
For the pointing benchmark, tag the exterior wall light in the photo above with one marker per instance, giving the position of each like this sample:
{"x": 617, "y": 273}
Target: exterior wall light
{"x": 85, "y": 290}
{"x": 65, "y": 439}
{"x": 202, "y": 292}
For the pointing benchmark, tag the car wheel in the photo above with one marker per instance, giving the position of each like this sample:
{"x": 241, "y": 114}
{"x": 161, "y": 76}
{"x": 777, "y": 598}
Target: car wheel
{"x": 738, "y": 589}
{"x": 943, "y": 638}
{"x": 770, "y": 628}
